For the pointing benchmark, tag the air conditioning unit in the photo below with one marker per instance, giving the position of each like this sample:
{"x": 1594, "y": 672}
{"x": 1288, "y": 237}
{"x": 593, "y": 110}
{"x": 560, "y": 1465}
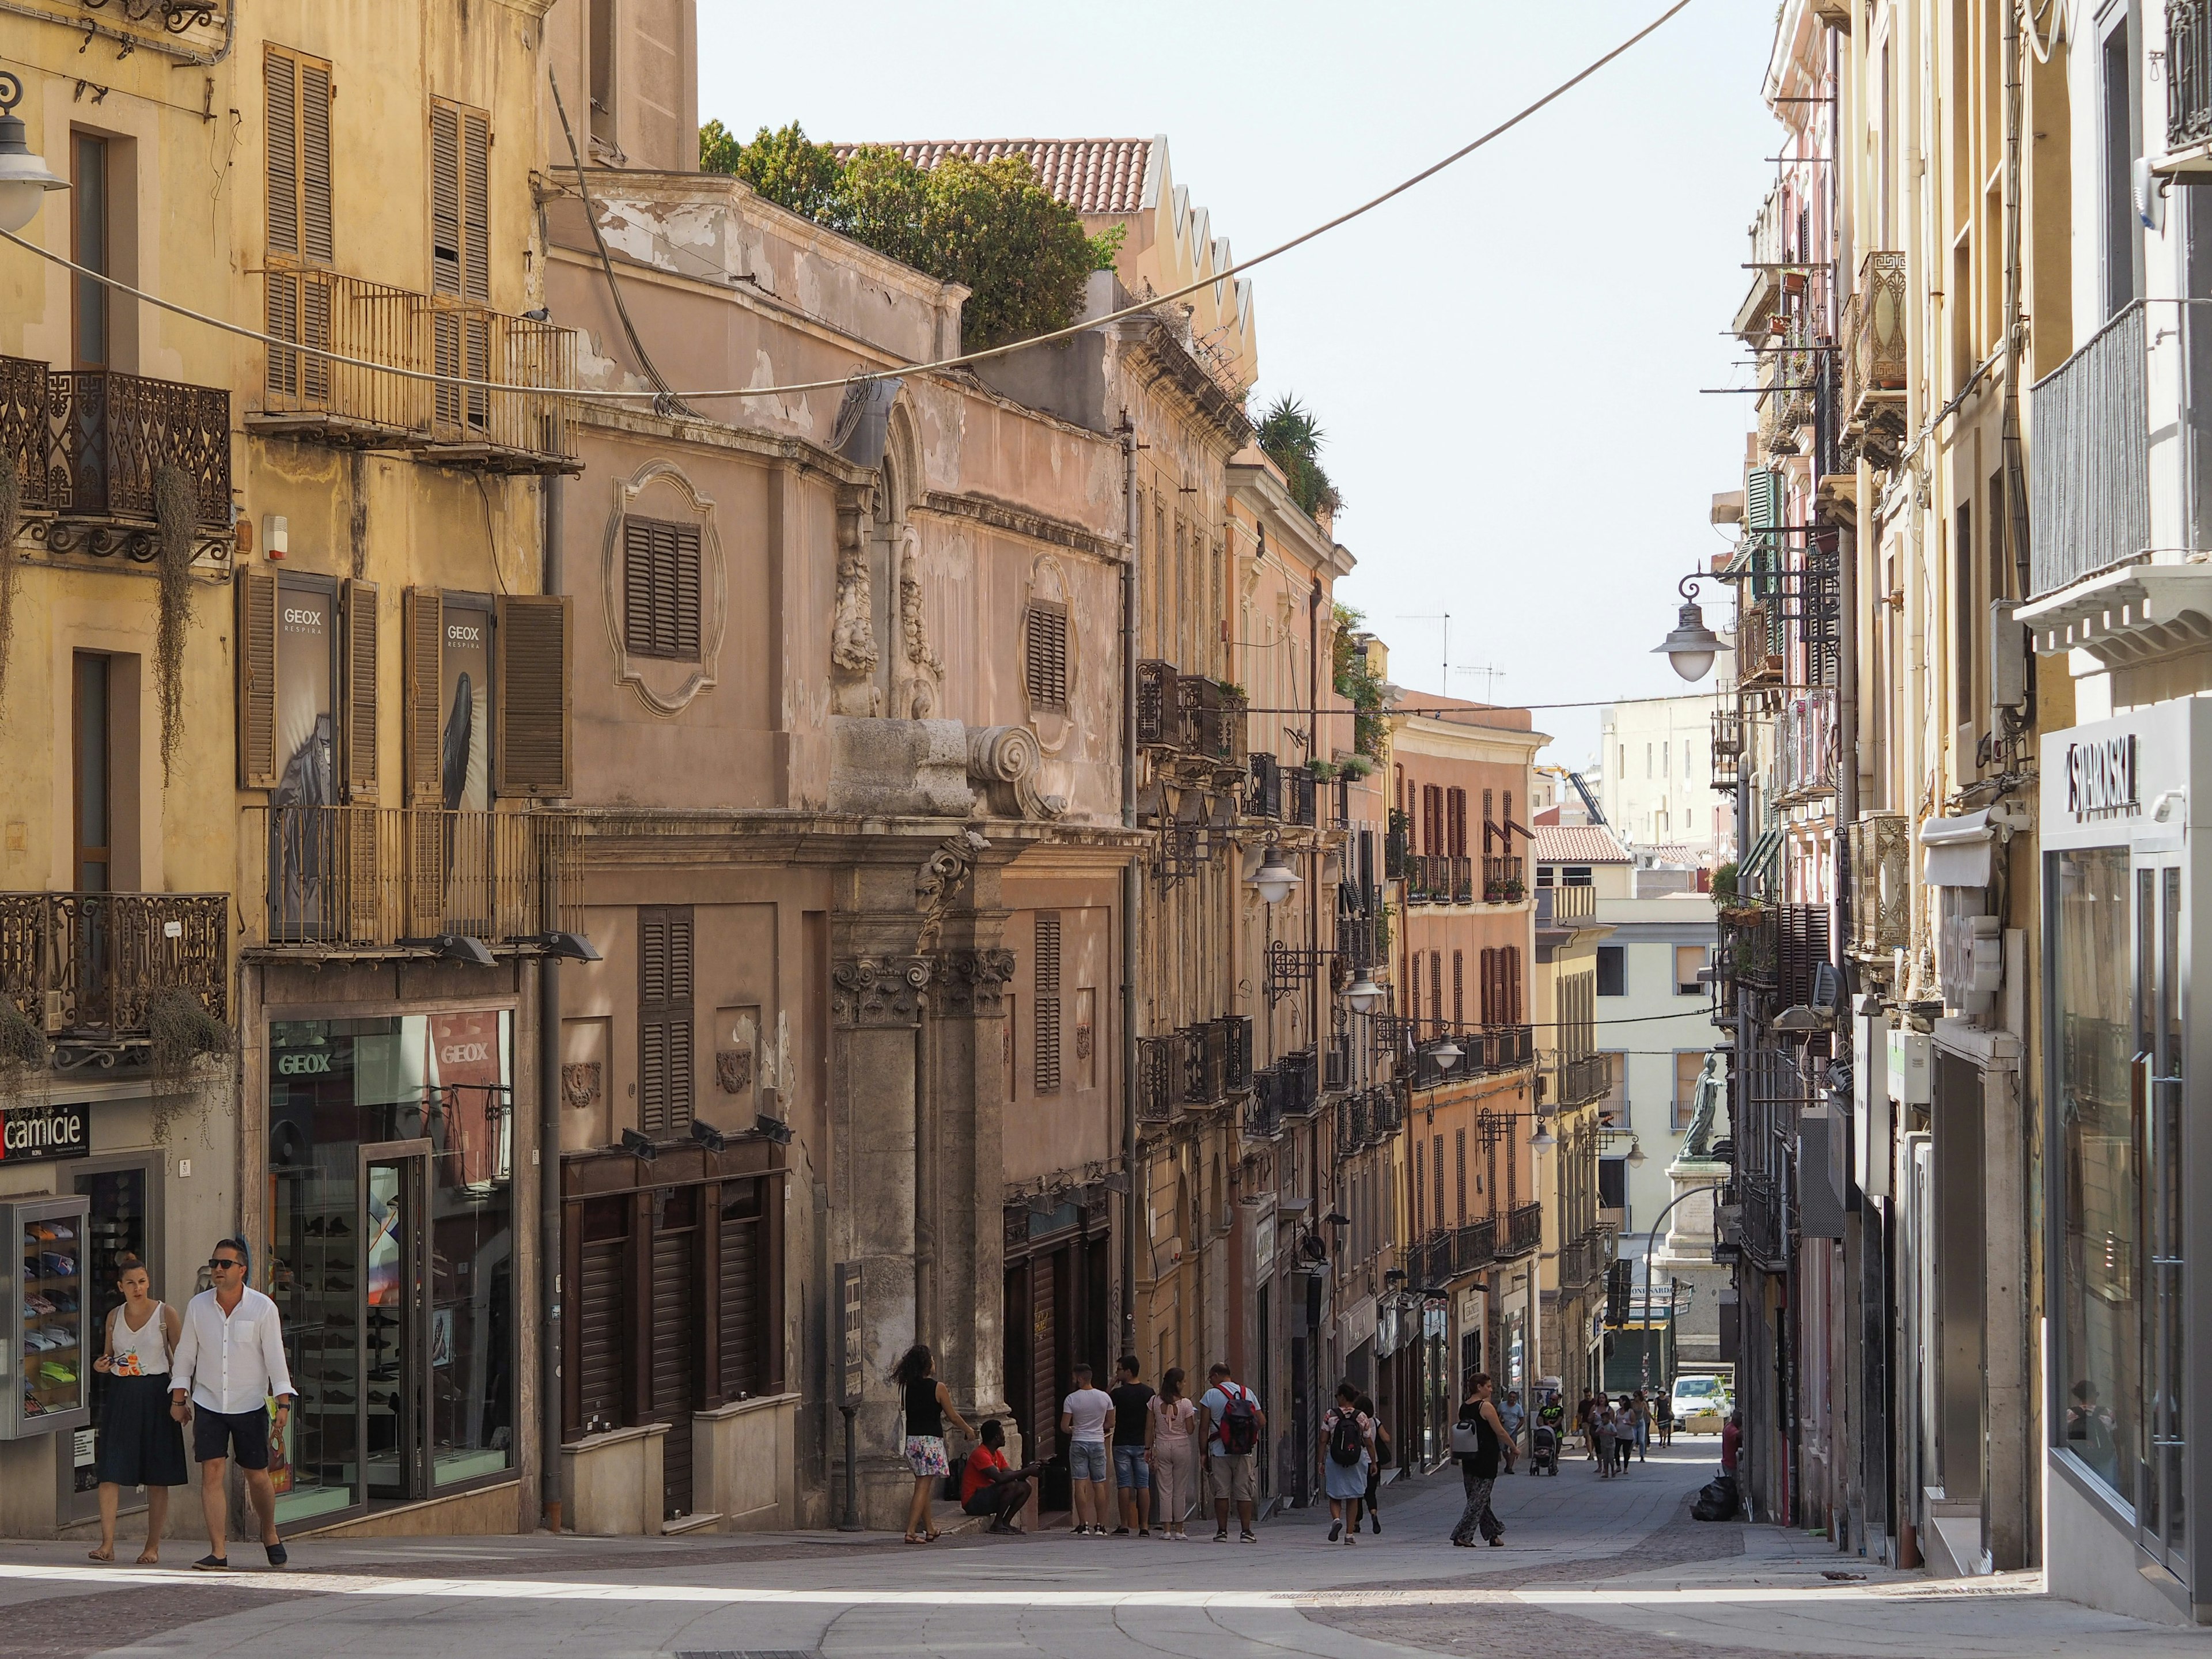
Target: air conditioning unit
{"x": 1912, "y": 1062}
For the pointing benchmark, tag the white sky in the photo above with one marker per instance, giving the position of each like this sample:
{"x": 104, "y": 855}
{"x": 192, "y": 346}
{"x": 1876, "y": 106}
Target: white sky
{"x": 1506, "y": 362}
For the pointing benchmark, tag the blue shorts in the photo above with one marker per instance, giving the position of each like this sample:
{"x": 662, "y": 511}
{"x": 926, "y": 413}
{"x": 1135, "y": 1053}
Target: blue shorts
{"x": 1086, "y": 1460}
{"x": 1130, "y": 1469}
{"x": 242, "y": 1434}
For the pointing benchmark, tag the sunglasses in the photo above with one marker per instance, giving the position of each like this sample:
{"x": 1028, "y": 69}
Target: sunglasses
{"x": 220, "y": 1262}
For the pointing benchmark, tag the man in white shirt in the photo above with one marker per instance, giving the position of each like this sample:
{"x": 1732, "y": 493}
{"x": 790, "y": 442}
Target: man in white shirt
{"x": 1086, "y": 1418}
{"x": 229, "y": 1362}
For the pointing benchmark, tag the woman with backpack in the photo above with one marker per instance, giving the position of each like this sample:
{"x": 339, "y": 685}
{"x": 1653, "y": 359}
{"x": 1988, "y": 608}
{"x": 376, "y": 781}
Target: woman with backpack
{"x": 1478, "y": 1440}
{"x": 1349, "y": 1435}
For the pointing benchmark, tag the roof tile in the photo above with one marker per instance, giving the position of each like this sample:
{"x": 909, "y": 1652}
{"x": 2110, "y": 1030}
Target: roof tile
{"x": 1578, "y": 843}
{"x": 1091, "y": 175}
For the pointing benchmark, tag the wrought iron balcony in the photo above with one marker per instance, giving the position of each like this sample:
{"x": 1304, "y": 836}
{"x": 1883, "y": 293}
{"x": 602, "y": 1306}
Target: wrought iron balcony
{"x": 1160, "y": 1072}
{"x": 1728, "y": 748}
{"x": 310, "y": 396}
{"x": 367, "y": 880}
{"x": 88, "y": 445}
{"x": 1807, "y": 757}
{"x": 1750, "y": 947}
{"x": 84, "y": 967}
{"x": 1397, "y": 845}
{"x": 1567, "y": 1084}
{"x": 1873, "y": 360}
{"x": 1298, "y": 791}
{"x": 1760, "y": 636}
{"x": 2188, "y": 74}
{"x": 1556, "y": 907}
{"x": 1263, "y": 1107}
{"x": 1450, "y": 1253}
{"x": 1212, "y": 720}
{"x": 2088, "y": 471}
{"x": 1788, "y": 370}
{"x": 1523, "y": 1231}
{"x": 1505, "y": 880}
{"x": 1882, "y": 884}
{"x": 1236, "y": 1038}
{"x": 1351, "y": 1124}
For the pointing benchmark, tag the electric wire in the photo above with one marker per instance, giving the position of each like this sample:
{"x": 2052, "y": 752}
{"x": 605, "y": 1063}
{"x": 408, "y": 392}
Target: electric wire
{"x": 1144, "y": 306}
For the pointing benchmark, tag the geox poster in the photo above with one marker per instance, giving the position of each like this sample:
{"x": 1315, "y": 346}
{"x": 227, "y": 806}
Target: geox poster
{"x": 465, "y": 677}
{"x": 305, "y": 776}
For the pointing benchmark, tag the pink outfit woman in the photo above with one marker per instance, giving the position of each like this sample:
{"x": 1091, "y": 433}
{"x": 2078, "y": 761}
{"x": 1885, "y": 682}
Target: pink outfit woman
{"x": 1175, "y": 1459}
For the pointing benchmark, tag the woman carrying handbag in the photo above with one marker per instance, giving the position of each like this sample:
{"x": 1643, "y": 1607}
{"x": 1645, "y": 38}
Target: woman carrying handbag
{"x": 1478, "y": 1440}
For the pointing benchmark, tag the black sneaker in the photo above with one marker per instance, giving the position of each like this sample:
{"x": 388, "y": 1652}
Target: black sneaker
{"x": 1375, "y": 1524}
{"x": 1335, "y": 1531}
{"x": 1249, "y": 1538}
{"x": 1222, "y": 1537}
{"x": 1121, "y": 1532}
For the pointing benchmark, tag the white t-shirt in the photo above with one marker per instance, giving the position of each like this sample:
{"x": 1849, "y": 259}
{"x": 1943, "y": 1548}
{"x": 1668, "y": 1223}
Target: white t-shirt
{"x": 1086, "y": 1409}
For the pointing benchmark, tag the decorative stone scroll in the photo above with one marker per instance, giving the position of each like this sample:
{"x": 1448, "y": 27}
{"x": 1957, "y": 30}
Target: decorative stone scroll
{"x": 1002, "y": 759}
{"x": 974, "y": 980}
{"x": 939, "y": 878}
{"x": 877, "y": 990}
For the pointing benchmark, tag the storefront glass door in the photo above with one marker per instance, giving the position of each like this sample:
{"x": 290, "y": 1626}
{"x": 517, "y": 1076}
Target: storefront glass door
{"x": 2161, "y": 1510}
{"x": 394, "y": 1181}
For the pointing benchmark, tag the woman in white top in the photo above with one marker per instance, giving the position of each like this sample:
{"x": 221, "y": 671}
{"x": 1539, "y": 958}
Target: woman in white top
{"x": 1172, "y": 1451}
{"x": 140, "y": 1445}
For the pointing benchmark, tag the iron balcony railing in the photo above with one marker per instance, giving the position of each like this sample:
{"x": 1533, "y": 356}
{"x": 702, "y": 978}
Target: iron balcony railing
{"x": 1523, "y": 1229}
{"x": 1236, "y": 1039}
{"x": 1728, "y": 748}
{"x": 1483, "y": 1050}
{"x": 88, "y": 964}
{"x": 307, "y": 394}
{"x": 1557, "y": 906}
{"x": 1397, "y": 845}
{"x": 1301, "y": 1094}
{"x": 1386, "y": 1113}
{"x": 1298, "y": 790}
{"x": 1351, "y": 1124}
{"x": 1263, "y": 1107}
{"x": 1586, "y": 1258}
{"x": 88, "y": 443}
{"x": 1569, "y": 1083}
{"x": 1159, "y": 1077}
{"x": 369, "y": 878}
{"x": 1874, "y": 354}
{"x": 1212, "y": 720}
{"x": 1750, "y": 947}
{"x": 1881, "y": 884}
{"x": 1505, "y": 880}
{"x": 1204, "y": 1063}
{"x": 2088, "y": 471}
{"x": 1450, "y": 1253}
{"x": 1807, "y": 757}
{"x": 2188, "y": 73}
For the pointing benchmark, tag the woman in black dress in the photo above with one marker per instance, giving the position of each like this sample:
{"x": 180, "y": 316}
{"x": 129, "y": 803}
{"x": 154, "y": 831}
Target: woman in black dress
{"x": 140, "y": 1445}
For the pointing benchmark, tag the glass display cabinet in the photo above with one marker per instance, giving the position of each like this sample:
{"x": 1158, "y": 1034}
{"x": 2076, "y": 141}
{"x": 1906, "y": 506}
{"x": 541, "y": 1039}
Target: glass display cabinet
{"x": 44, "y": 1359}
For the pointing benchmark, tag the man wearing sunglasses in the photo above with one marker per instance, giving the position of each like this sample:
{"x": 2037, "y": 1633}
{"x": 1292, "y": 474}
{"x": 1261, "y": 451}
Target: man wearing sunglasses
{"x": 229, "y": 1362}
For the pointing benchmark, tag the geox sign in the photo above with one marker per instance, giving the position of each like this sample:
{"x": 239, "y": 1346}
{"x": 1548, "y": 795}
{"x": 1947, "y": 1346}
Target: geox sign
{"x": 2100, "y": 777}
{"x": 60, "y": 1131}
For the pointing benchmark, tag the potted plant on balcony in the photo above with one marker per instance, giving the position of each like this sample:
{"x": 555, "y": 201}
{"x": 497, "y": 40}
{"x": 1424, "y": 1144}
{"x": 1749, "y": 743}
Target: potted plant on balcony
{"x": 1514, "y": 888}
{"x": 1356, "y": 765}
{"x": 1322, "y": 770}
{"x": 181, "y": 1030}
{"x": 23, "y": 1056}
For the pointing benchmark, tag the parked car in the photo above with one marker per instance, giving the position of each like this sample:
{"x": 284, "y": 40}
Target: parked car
{"x": 1700, "y": 1404}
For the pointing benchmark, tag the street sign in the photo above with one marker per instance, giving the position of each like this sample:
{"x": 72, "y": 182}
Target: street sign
{"x": 849, "y": 1294}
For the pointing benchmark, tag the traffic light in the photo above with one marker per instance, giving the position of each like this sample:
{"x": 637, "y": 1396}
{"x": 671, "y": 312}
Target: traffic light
{"x": 1616, "y": 1292}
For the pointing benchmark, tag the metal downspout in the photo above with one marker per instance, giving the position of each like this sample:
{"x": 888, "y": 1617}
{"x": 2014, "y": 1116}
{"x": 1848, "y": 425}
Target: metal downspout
{"x": 549, "y": 1148}
{"x": 1132, "y": 878}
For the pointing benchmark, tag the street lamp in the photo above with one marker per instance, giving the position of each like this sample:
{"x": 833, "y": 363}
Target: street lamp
{"x": 1692, "y": 645}
{"x": 24, "y": 179}
{"x": 1274, "y": 878}
{"x": 1362, "y": 993}
{"x": 1635, "y": 1158}
{"x": 1446, "y": 1054}
{"x": 1543, "y": 1139}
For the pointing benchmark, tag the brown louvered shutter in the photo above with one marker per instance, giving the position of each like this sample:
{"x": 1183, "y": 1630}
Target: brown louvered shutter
{"x": 1436, "y": 986}
{"x": 1459, "y": 988}
{"x": 1512, "y": 988}
{"x": 744, "y": 1308}
{"x": 424, "y": 620}
{"x": 1414, "y": 1005}
{"x": 600, "y": 1308}
{"x": 661, "y": 589}
{"x": 1046, "y": 654}
{"x": 257, "y": 680}
{"x": 476, "y": 207}
{"x": 358, "y": 737}
{"x": 315, "y": 162}
{"x": 530, "y": 673}
{"x": 1045, "y": 1001}
{"x": 281, "y": 77}
{"x": 664, "y": 1017}
{"x": 1486, "y": 990}
{"x": 445, "y": 199}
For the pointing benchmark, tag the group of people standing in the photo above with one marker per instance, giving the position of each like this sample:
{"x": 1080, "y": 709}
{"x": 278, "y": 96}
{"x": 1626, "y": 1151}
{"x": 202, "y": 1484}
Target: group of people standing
{"x": 216, "y": 1366}
{"x": 1616, "y": 1432}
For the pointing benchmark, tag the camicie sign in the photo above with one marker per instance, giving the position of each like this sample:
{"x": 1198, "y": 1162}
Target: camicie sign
{"x": 55, "y": 1131}
{"x": 2100, "y": 777}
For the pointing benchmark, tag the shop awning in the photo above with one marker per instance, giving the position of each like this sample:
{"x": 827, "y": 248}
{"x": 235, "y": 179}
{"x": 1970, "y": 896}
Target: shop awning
{"x": 1959, "y": 849}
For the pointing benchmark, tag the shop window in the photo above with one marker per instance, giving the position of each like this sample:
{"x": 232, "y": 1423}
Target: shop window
{"x": 666, "y": 1018}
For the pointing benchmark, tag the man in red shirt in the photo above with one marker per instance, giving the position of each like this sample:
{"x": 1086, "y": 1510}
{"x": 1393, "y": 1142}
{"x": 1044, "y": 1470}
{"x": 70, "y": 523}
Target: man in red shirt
{"x": 1731, "y": 1442}
{"x": 989, "y": 1486}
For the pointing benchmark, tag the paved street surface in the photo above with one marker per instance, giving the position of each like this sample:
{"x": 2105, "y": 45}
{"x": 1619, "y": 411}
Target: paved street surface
{"x": 1613, "y": 1567}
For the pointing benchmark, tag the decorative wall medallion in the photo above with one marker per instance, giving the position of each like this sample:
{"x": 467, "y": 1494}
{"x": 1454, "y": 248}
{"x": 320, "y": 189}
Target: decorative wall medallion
{"x": 580, "y": 1083}
{"x": 877, "y": 990}
{"x": 733, "y": 1070}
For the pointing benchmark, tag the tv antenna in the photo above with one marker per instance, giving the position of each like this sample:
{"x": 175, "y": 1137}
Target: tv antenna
{"x": 1490, "y": 676}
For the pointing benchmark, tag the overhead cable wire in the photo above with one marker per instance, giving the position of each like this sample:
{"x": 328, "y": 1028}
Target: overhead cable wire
{"x": 1141, "y": 308}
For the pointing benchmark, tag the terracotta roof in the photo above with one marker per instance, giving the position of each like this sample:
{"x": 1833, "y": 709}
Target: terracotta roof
{"x": 1578, "y": 843}
{"x": 1091, "y": 175}
{"x": 1674, "y": 851}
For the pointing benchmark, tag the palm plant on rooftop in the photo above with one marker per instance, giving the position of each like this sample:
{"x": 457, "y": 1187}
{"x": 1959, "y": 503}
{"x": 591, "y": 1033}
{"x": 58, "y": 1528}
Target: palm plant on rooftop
{"x": 1292, "y": 438}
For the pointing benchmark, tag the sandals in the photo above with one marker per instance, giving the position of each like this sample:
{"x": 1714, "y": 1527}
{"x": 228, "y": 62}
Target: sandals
{"x": 911, "y": 1539}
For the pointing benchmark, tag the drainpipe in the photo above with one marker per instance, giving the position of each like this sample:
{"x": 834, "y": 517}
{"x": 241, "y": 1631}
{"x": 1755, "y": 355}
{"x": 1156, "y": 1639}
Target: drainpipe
{"x": 549, "y": 1148}
{"x": 1131, "y": 878}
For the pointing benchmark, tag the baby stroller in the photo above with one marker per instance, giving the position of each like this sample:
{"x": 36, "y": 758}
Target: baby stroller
{"x": 1544, "y": 1450}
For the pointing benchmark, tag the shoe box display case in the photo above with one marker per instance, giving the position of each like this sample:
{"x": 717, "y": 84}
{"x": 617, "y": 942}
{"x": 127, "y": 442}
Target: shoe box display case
{"x": 45, "y": 1350}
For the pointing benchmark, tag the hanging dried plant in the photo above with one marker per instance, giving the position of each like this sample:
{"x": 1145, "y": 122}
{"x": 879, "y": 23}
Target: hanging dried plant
{"x": 23, "y": 1056}
{"x": 181, "y": 1030}
{"x": 11, "y": 502}
{"x": 176, "y": 510}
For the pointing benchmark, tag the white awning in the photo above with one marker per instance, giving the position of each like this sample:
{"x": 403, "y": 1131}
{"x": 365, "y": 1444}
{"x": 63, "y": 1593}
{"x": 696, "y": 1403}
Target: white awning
{"x": 1959, "y": 850}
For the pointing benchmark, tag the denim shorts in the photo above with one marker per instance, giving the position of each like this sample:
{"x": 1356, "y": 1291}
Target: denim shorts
{"x": 1130, "y": 1469}
{"x": 1086, "y": 1460}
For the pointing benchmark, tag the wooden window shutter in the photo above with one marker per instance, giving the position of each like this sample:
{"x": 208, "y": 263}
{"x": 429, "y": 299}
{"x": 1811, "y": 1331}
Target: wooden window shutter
{"x": 359, "y": 735}
{"x": 1487, "y": 989}
{"x": 1044, "y": 1001}
{"x": 423, "y": 621}
{"x": 1459, "y": 988}
{"x": 1436, "y": 986}
{"x": 476, "y": 207}
{"x": 530, "y": 732}
{"x": 1045, "y": 654}
{"x": 1415, "y": 1001}
{"x": 1459, "y": 1170}
{"x": 315, "y": 161}
{"x": 1512, "y": 985}
{"x": 666, "y": 1018}
{"x": 661, "y": 589}
{"x": 445, "y": 199}
{"x": 282, "y": 76}
{"x": 257, "y": 680}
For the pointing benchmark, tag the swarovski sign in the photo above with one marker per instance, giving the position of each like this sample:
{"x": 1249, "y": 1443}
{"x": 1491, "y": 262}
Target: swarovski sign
{"x": 2100, "y": 776}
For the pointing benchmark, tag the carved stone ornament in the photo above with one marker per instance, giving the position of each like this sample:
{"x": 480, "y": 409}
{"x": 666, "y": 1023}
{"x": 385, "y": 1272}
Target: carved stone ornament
{"x": 852, "y": 634}
{"x": 1003, "y": 760}
{"x": 580, "y": 1083}
{"x": 733, "y": 1070}
{"x": 975, "y": 981}
{"x": 877, "y": 990}
{"x": 924, "y": 672}
{"x": 939, "y": 878}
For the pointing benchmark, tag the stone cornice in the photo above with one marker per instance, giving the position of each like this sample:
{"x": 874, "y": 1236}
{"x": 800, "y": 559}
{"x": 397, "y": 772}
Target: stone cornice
{"x": 1018, "y": 521}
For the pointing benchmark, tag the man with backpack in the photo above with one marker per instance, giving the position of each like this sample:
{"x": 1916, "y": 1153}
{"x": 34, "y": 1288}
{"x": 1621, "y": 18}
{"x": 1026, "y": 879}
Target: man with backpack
{"x": 1230, "y": 1425}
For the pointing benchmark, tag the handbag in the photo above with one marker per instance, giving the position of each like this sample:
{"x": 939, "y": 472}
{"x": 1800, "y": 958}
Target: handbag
{"x": 1466, "y": 1441}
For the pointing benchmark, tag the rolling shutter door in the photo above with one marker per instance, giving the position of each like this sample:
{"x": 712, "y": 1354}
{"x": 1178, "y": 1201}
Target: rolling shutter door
{"x": 675, "y": 1292}
{"x": 1044, "y": 1351}
{"x": 742, "y": 1307}
{"x": 599, "y": 1310}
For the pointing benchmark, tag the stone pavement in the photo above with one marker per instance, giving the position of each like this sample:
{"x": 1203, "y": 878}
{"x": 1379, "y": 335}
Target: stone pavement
{"x": 1611, "y": 1567}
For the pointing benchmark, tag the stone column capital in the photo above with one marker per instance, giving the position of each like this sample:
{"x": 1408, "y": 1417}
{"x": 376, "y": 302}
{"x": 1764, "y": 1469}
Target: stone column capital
{"x": 886, "y": 990}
